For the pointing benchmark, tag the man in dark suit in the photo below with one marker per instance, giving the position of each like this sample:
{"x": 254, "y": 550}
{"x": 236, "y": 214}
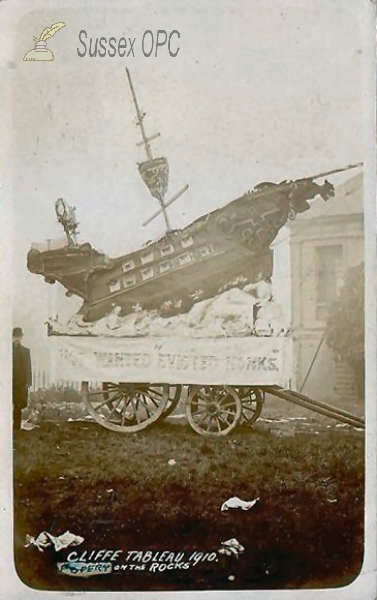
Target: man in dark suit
{"x": 21, "y": 376}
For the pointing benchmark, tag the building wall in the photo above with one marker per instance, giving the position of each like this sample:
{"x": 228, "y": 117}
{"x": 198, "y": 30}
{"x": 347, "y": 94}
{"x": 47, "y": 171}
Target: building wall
{"x": 322, "y": 250}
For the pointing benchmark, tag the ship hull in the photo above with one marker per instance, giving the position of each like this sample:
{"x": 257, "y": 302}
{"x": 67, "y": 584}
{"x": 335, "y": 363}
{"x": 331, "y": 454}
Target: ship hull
{"x": 226, "y": 248}
{"x": 176, "y": 293}
{"x": 229, "y": 247}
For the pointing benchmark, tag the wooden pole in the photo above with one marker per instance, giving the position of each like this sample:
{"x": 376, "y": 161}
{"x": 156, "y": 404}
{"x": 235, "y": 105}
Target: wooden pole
{"x": 140, "y": 118}
{"x": 166, "y": 204}
{"x": 360, "y": 164}
{"x": 312, "y": 363}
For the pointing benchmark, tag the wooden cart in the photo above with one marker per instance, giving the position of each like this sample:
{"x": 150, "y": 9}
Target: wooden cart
{"x": 221, "y": 383}
{"x": 210, "y": 409}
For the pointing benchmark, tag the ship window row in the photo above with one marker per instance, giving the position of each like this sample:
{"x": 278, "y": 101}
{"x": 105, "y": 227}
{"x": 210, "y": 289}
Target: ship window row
{"x": 167, "y": 265}
{"x": 129, "y": 281}
{"x": 165, "y": 249}
{"x": 163, "y": 267}
{"x": 117, "y": 284}
{"x": 184, "y": 259}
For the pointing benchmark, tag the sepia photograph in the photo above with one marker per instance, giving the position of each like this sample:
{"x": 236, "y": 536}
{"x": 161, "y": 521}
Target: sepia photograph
{"x": 189, "y": 378}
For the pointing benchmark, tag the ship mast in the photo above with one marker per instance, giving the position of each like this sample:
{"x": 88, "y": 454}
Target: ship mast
{"x": 139, "y": 122}
{"x": 146, "y": 143}
{"x": 154, "y": 171}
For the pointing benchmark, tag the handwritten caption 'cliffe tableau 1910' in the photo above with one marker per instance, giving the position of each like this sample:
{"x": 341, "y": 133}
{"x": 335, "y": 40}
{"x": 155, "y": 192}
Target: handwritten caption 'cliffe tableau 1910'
{"x": 150, "y": 44}
{"x": 102, "y": 562}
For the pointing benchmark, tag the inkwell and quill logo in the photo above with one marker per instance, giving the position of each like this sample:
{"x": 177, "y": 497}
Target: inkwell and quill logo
{"x": 41, "y": 52}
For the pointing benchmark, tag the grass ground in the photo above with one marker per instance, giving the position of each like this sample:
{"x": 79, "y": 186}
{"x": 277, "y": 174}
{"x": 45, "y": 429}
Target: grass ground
{"x": 120, "y": 492}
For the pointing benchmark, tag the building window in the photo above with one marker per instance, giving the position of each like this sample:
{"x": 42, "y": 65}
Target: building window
{"x": 127, "y": 266}
{"x": 329, "y": 273}
{"x": 147, "y": 258}
{"x": 165, "y": 266}
{"x": 129, "y": 281}
{"x": 184, "y": 259}
{"x": 166, "y": 249}
{"x": 187, "y": 241}
{"x": 147, "y": 273}
{"x": 115, "y": 285}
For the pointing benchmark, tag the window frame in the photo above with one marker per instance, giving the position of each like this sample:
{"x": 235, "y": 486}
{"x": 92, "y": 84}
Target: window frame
{"x": 321, "y": 306}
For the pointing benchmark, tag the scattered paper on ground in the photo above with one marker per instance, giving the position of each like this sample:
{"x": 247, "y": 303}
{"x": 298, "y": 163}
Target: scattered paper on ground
{"x": 28, "y": 425}
{"x": 238, "y": 503}
{"x": 231, "y": 547}
{"x": 45, "y": 539}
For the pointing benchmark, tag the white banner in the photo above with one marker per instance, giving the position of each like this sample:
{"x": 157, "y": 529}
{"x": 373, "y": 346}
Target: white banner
{"x": 231, "y": 361}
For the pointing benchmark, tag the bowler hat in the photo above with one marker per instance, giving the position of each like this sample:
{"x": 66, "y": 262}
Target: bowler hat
{"x": 17, "y": 332}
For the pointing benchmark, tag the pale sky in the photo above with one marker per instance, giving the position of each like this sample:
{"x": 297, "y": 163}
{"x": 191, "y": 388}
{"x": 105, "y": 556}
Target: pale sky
{"x": 258, "y": 91}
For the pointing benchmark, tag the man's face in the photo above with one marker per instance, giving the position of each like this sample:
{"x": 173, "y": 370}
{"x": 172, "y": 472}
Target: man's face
{"x": 17, "y": 340}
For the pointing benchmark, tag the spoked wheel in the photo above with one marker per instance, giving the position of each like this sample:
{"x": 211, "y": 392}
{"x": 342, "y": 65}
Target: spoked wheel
{"x": 252, "y": 404}
{"x": 126, "y": 407}
{"x": 174, "y": 396}
{"x": 213, "y": 410}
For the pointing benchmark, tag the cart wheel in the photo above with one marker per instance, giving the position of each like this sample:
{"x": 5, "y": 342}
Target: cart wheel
{"x": 213, "y": 410}
{"x": 252, "y": 404}
{"x": 126, "y": 407}
{"x": 174, "y": 396}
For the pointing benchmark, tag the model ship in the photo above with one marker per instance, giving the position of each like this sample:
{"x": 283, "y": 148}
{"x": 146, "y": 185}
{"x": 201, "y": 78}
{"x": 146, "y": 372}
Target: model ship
{"x": 228, "y": 247}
